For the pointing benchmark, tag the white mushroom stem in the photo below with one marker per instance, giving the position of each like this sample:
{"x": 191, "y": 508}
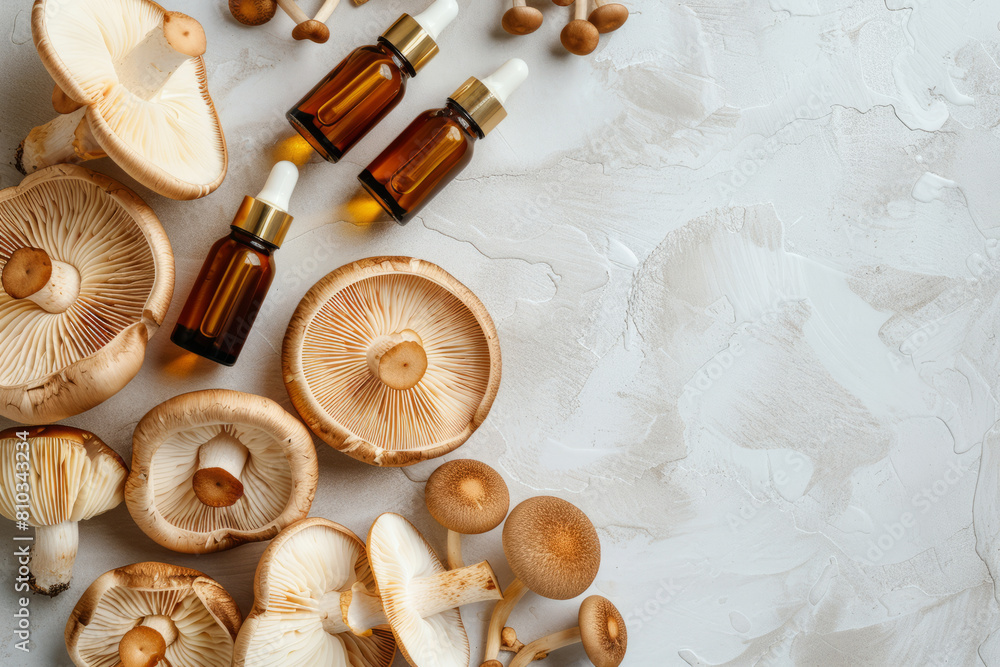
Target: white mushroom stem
{"x": 397, "y": 360}
{"x": 64, "y": 139}
{"x": 326, "y": 11}
{"x": 293, "y": 10}
{"x": 145, "y": 69}
{"x": 498, "y": 619}
{"x": 540, "y": 648}
{"x": 164, "y": 625}
{"x": 455, "y": 550}
{"x": 31, "y": 274}
{"x": 52, "y": 557}
{"x": 580, "y": 10}
{"x": 431, "y": 596}
{"x": 221, "y": 461}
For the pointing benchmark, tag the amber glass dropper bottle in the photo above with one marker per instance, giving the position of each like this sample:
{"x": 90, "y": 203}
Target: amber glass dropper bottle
{"x": 369, "y": 82}
{"x": 237, "y": 274}
{"x": 438, "y": 145}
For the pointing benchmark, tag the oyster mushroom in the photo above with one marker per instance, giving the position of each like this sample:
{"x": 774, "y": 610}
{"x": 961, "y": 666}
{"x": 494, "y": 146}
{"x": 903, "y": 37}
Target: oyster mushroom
{"x": 149, "y": 614}
{"x": 468, "y": 498}
{"x": 136, "y": 74}
{"x": 218, "y": 468}
{"x": 53, "y": 477}
{"x": 296, "y": 619}
{"x": 87, "y": 276}
{"x": 601, "y": 629}
{"x": 391, "y": 360}
{"x": 554, "y": 551}
{"x": 417, "y": 597}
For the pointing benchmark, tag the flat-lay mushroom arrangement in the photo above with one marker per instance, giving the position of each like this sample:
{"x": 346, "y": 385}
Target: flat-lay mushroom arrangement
{"x": 389, "y": 360}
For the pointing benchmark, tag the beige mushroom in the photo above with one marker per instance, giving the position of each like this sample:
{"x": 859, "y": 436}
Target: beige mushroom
{"x": 468, "y": 498}
{"x": 132, "y": 78}
{"x": 580, "y": 37}
{"x": 608, "y": 16}
{"x": 53, "y": 477}
{"x": 521, "y": 19}
{"x": 392, "y": 361}
{"x": 87, "y": 275}
{"x": 417, "y": 596}
{"x": 601, "y": 629}
{"x": 149, "y": 614}
{"x": 554, "y": 551}
{"x": 218, "y": 468}
{"x": 297, "y": 619}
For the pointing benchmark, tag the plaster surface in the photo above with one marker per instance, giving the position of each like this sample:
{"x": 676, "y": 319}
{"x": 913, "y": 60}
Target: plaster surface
{"x": 743, "y": 261}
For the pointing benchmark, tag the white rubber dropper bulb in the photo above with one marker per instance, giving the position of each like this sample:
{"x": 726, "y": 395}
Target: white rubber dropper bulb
{"x": 277, "y": 191}
{"x": 436, "y": 18}
{"x": 506, "y": 80}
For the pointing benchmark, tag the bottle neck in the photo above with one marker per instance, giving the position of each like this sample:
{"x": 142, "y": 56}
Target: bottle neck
{"x": 402, "y": 63}
{"x": 466, "y": 120}
{"x": 255, "y": 242}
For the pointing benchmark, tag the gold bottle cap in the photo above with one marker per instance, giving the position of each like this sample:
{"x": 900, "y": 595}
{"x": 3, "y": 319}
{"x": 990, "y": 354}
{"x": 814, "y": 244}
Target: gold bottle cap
{"x": 265, "y": 221}
{"x": 412, "y": 41}
{"x": 484, "y": 100}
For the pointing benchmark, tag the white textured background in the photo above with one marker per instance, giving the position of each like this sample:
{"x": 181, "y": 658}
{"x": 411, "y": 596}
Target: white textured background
{"x": 743, "y": 261}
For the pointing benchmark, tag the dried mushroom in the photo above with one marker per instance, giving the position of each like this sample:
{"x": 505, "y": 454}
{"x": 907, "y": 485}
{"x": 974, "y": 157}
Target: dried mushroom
{"x": 53, "y": 477}
{"x": 87, "y": 275}
{"x": 392, "y": 361}
{"x": 302, "y": 577}
{"x": 131, "y": 85}
{"x": 150, "y": 614}
{"x": 218, "y": 468}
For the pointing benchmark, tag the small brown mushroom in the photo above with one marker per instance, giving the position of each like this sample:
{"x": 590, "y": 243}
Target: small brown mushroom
{"x": 149, "y": 614}
{"x": 509, "y": 641}
{"x": 218, "y": 468}
{"x": 391, "y": 360}
{"x": 553, "y": 549}
{"x": 313, "y": 29}
{"x": 580, "y": 36}
{"x": 521, "y": 19}
{"x": 468, "y": 498}
{"x": 253, "y": 12}
{"x": 601, "y": 629}
{"x": 608, "y": 16}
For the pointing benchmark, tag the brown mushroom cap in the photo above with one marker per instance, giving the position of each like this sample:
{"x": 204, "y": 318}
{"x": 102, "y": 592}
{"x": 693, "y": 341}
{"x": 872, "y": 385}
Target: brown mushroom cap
{"x": 521, "y": 20}
{"x": 609, "y": 17}
{"x": 552, "y": 547}
{"x": 253, "y": 12}
{"x": 348, "y": 324}
{"x": 603, "y": 632}
{"x": 307, "y": 560}
{"x": 312, "y": 30}
{"x": 142, "y": 646}
{"x": 26, "y": 271}
{"x": 278, "y": 479}
{"x": 580, "y": 37}
{"x": 467, "y": 497}
{"x": 56, "y": 365}
{"x": 204, "y": 615}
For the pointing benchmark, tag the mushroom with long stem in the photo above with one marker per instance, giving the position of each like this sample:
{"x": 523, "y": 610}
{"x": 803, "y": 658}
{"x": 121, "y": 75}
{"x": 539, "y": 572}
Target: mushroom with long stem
{"x": 468, "y": 498}
{"x": 74, "y": 476}
{"x": 580, "y": 36}
{"x": 554, "y": 551}
{"x": 608, "y": 16}
{"x": 601, "y": 629}
{"x": 521, "y": 19}
{"x": 313, "y": 29}
{"x": 132, "y": 78}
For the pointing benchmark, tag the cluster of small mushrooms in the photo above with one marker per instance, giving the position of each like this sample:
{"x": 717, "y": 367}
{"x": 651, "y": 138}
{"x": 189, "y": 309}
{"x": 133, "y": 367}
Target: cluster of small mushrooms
{"x": 581, "y": 35}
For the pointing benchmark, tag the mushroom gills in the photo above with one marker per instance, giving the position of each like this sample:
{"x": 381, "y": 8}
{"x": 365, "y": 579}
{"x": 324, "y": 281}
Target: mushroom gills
{"x": 146, "y": 644}
{"x": 220, "y": 463}
{"x": 31, "y": 274}
{"x": 52, "y": 557}
{"x": 451, "y": 589}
